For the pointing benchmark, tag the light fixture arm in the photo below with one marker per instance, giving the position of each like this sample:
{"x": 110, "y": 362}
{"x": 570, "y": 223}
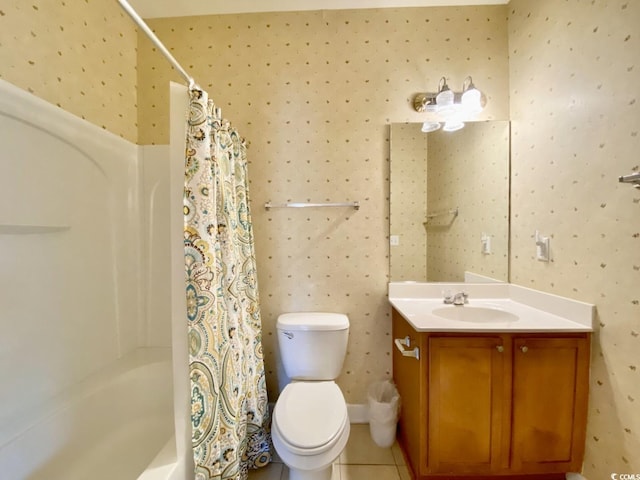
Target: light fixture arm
{"x": 442, "y": 85}
{"x": 467, "y": 86}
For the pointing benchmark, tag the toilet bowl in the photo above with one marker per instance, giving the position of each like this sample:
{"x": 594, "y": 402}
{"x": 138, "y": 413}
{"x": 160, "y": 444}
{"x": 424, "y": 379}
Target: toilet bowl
{"x": 310, "y": 425}
{"x": 310, "y": 428}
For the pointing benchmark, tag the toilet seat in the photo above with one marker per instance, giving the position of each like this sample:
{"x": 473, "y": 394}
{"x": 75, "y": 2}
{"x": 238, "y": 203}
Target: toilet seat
{"x": 310, "y": 417}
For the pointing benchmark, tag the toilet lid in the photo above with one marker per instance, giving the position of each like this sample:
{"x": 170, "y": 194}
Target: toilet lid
{"x": 310, "y": 414}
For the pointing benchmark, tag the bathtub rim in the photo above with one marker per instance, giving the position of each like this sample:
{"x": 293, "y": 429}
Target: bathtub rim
{"x": 20, "y": 423}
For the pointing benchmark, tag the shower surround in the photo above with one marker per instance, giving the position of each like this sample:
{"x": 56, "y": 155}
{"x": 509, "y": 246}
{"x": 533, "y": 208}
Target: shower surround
{"x": 85, "y": 373}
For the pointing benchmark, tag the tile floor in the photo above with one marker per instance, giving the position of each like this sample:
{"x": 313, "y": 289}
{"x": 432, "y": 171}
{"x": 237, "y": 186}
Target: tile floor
{"x": 361, "y": 460}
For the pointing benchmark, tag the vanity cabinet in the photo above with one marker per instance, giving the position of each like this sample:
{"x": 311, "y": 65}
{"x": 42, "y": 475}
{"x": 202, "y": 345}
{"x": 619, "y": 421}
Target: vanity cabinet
{"x": 465, "y": 401}
{"x": 550, "y": 383}
{"x": 492, "y": 404}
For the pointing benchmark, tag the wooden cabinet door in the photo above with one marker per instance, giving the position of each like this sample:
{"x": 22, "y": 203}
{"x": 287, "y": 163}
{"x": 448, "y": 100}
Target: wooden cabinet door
{"x": 408, "y": 377}
{"x": 466, "y": 376}
{"x": 550, "y": 388}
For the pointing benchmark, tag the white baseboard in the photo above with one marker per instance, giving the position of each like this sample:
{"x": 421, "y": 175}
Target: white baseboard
{"x": 358, "y": 413}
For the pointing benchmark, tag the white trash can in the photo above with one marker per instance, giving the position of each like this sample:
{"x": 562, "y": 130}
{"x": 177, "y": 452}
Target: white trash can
{"x": 384, "y": 406}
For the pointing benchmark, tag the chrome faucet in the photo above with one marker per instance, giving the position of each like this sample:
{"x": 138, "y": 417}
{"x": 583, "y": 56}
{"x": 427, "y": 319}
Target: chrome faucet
{"x": 459, "y": 298}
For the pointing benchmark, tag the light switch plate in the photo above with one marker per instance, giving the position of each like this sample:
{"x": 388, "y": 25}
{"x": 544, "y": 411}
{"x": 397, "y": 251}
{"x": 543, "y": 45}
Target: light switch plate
{"x": 542, "y": 247}
{"x": 485, "y": 241}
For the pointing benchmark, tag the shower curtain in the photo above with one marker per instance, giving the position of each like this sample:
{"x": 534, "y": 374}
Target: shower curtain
{"x": 229, "y": 411}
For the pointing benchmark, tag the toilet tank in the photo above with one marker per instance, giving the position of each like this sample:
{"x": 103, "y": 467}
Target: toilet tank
{"x": 312, "y": 345}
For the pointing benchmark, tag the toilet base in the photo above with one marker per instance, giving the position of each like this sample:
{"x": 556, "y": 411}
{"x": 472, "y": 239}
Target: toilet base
{"x": 322, "y": 474}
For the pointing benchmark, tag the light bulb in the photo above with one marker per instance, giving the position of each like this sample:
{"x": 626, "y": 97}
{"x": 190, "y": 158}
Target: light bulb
{"x": 453, "y": 126}
{"x": 445, "y": 97}
{"x": 472, "y": 101}
{"x": 430, "y": 127}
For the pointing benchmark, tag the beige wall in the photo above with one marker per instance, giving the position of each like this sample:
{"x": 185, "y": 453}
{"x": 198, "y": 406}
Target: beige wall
{"x": 319, "y": 73}
{"x": 574, "y": 73}
{"x": 314, "y": 93}
{"x": 408, "y": 202}
{"x": 78, "y": 55}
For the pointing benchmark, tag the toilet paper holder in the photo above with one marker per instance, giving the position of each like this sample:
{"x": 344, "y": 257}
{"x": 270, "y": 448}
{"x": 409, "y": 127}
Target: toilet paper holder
{"x": 406, "y": 342}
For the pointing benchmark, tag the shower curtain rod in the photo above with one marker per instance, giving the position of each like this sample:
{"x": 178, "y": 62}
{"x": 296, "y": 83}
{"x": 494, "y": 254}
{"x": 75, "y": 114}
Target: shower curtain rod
{"x": 156, "y": 41}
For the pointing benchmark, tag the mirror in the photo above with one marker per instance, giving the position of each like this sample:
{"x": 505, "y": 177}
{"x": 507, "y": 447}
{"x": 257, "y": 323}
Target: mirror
{"x": 449, "y": 194}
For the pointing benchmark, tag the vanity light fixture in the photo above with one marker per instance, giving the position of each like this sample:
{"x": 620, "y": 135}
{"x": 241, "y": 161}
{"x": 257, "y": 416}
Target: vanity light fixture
{"x": 450, "y": 108}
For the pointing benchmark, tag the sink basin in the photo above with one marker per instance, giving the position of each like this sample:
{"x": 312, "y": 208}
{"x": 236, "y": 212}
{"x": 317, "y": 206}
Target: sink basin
{"x": 475, "y": 314}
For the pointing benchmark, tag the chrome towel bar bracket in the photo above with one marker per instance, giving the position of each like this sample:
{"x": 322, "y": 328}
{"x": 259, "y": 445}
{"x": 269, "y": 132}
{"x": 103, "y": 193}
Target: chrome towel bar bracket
{"x": 633, "y": 178}
{"x": 453, "y": 211}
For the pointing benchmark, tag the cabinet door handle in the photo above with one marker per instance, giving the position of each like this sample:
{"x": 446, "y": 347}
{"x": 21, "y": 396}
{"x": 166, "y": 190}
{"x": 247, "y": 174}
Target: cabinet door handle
{"x": 524, "y": 349}
{"x": 500, "y": 348}
{"x": 406, "y": 341}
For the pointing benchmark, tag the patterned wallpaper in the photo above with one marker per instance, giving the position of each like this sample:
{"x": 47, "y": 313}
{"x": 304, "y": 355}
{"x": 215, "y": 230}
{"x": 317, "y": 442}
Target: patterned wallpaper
{"x": 574, "y": 74}
{"x": 314, "y": 92}
{"x": 468, "y": 170}
{"x": 78, "y": 55}
{"x": 408, "y": 202}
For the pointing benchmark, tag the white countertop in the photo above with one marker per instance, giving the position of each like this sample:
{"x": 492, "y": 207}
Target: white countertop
{"x": 534, "y": 311}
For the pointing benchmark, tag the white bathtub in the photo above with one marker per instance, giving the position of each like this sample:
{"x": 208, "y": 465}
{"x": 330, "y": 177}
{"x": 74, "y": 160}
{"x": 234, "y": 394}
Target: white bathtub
{"x": 108, "y": 427}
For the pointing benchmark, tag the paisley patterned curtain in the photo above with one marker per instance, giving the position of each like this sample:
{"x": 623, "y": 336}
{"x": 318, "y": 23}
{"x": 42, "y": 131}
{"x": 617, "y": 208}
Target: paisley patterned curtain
{"x": 229, "y": 413}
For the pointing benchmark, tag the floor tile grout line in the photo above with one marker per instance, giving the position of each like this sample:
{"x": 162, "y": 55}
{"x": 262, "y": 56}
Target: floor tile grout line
{"x": 393, "y": 457}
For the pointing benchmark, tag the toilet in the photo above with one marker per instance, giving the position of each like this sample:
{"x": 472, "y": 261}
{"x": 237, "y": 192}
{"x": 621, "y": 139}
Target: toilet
{"x": 310, "y": 426}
